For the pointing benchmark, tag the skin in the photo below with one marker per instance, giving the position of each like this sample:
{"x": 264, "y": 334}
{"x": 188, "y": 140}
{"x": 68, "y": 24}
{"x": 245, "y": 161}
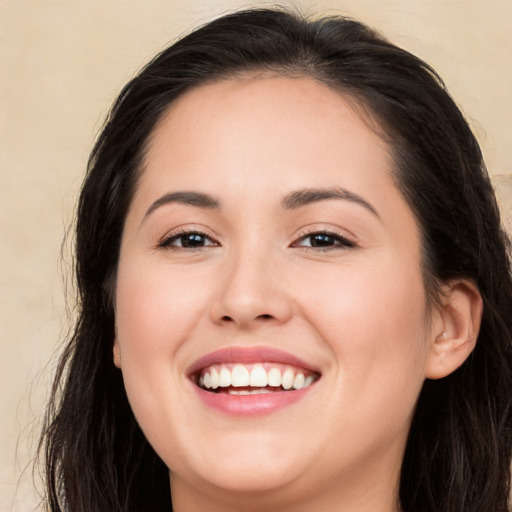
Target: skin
{"x": 357, "y": 311}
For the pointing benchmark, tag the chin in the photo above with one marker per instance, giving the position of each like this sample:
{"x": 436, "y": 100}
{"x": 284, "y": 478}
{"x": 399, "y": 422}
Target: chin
{"x": 258, "y": 469}
{"x": 253, "y": 480}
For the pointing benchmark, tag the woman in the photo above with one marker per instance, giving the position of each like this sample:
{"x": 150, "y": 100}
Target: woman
{"x": 295, "y": 293}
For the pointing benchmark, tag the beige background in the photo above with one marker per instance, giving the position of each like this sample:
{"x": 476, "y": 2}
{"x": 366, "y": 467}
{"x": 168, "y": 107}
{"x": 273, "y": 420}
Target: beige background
{"x": 61, "y": 65}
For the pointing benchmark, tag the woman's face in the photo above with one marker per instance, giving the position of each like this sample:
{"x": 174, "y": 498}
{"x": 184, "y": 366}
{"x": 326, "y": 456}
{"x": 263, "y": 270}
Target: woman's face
{"x": 267, "y": 243}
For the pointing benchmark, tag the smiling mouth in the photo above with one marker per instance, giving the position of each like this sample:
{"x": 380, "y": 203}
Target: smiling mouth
{"x": 253, "y": 379}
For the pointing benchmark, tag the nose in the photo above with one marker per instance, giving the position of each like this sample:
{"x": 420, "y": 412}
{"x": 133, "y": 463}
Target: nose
{"x": 252, "y": 293}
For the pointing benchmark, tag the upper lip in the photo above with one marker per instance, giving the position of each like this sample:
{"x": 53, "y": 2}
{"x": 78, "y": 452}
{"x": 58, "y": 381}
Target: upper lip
{"x": 249, "y": 355}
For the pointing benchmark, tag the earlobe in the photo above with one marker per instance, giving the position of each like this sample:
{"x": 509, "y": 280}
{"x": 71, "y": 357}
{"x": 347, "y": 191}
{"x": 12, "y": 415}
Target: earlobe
{"x": 117, "y": 354}
{"x": 455, "y": 335}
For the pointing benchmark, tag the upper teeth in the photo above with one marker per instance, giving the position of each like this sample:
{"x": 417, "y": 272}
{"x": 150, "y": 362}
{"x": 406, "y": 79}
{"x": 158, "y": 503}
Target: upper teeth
{"x": 257, "y": 375}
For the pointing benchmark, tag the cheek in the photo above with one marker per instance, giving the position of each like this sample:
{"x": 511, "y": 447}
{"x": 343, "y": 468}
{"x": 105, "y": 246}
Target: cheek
{"x": 155, "y": 315}
{"x": 375, "y": 322}
{"x": 155, "y": 310}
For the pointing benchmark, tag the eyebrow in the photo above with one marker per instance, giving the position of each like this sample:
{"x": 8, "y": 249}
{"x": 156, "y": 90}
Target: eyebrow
{"x": 292, "y": 201}
{"x": 301, "y": 198}
{"x": 198, "y": 199}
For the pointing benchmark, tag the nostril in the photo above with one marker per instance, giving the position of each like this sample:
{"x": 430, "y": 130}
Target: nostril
{"x": 245, "y": 319}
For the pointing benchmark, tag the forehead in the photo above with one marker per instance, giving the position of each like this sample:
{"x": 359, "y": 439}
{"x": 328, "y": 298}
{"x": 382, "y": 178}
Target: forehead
{"x": 265, "y": 125}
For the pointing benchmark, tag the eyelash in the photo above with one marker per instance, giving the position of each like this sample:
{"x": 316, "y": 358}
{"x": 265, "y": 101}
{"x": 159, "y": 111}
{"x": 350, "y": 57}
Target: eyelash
{"x": 166, "y": 243}
{"x": 338, "y": 241}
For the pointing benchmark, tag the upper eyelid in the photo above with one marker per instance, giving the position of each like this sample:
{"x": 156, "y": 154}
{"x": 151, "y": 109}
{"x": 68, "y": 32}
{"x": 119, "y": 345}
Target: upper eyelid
{"x": 177, "y": 232}
{"x": 190, "y": 228}
{"x": 348, "y": 241}
{"x": 323, "y": 229}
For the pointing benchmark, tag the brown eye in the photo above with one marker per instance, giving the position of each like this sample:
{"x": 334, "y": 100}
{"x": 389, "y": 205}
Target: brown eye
{"x": 188, "y": 240}
{"x": 323, "y": 240}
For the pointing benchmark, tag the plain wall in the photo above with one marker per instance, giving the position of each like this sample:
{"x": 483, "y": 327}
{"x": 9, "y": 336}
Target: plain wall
{"x": 62, "y": 64}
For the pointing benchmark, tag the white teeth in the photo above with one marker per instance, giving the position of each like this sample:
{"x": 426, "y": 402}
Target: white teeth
{"x": 288, "y": 378}
{"x": 224, "y": 378}
{"x": 298, "y": 382}
{"x": 258, "y": 376}
{"x": 274, "y": 377}
{"x": 239, "y": 376}
{"x": 215, "y": 378}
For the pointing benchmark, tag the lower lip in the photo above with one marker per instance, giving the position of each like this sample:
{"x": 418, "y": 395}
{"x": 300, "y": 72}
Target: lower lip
{"x": 250, "y": 405}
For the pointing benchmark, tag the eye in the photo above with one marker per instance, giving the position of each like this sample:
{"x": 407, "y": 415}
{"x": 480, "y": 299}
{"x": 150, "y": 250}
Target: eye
{"x": 187, "y": 240}
{"x": 323, "y": 240}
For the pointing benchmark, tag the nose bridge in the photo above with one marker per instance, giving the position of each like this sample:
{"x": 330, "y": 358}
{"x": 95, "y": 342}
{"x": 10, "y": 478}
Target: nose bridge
{"x": 250, "y": 292}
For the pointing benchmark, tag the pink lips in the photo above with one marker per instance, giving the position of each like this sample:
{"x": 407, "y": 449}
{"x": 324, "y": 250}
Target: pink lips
{"x": 249, "y": 405}
{"x": 247, "y": 356}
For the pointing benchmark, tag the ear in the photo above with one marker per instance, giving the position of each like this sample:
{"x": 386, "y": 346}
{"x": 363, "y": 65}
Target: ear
{"x": 455, "y": 328}
{"x": 117, "y": 353}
